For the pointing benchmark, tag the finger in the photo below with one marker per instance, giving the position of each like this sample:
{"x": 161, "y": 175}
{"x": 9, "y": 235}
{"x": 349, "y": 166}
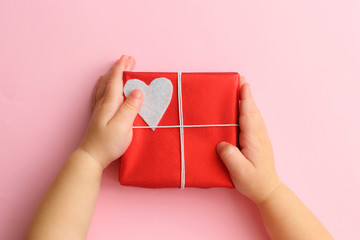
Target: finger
{"x": 104, "y": 83}
{"x": 253, "y": 136}
{"x": 242, "y": 81}
{"x": 101, "y": 90}
{"x": 250, "y": 118}
{"x": 234, "y": 160}
{"x": 129, "y": 67}
{"x": 131, "y": 64}
{"x": 129, "y": 109}
{"x": 114, "y": 86}
{"x": 96, "y": 89}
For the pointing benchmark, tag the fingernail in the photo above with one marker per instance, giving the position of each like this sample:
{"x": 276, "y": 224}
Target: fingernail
{"x": 136, "y": 94}
{"x": 242, "y": 79}
{"x": 219, "y": 146}
{"x": 248, "y": 90}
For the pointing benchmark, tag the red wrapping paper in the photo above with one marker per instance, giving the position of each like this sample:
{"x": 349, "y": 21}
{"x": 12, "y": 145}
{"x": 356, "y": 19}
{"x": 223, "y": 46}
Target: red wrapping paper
{"x": 153, "y": 159}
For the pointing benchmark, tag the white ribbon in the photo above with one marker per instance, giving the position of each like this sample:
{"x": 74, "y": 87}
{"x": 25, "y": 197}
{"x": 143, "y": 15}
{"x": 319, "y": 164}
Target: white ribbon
{"x": 181, "y": 133}
{"x": 181, "y": 128}
{"x": 201, "y": 125}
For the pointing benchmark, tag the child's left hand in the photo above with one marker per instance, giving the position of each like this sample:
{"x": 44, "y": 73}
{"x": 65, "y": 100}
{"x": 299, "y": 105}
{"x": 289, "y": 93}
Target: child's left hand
{"x": 110, "y": 129}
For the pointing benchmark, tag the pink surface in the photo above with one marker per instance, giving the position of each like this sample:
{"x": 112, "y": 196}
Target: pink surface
{"x": 301, "y": 58}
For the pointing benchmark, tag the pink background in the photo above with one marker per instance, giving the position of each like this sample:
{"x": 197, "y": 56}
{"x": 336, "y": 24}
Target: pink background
{"x": 300, "y": 57}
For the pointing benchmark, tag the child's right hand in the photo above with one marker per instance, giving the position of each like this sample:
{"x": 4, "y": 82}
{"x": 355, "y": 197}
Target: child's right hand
{"x": 252, "y": 168}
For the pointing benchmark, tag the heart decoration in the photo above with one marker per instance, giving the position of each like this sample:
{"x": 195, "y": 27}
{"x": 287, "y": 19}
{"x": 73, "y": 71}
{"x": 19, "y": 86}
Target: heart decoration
{"x": 157, "y": 97}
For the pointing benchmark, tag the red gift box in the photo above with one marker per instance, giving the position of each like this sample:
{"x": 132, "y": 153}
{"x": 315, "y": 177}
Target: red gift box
{"x": 154, "y": 158}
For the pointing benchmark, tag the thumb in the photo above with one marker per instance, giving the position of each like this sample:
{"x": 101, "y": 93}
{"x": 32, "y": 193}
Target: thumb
{"x": 234, "y": 160}
{"x": 128, "y": 110}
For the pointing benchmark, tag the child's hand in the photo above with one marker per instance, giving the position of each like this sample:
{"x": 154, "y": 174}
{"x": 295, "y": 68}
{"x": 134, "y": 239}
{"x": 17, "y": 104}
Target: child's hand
{"x": 110, "y": 129}
{"x": 252, "y": 168}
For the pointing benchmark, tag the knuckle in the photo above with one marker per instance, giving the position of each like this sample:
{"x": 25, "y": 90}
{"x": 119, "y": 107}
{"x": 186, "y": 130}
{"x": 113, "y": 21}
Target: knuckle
{"x": 106, "y": 108}
{"x": 253, "y": 113}
{"x": 127, "y": 106}
{"x": 115, "y": 71}
{"x": 256, "y": 142}
{"x": 109, "y": 98}
{"x": 97, "y": 105}
{"x": 112, "y": 75}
